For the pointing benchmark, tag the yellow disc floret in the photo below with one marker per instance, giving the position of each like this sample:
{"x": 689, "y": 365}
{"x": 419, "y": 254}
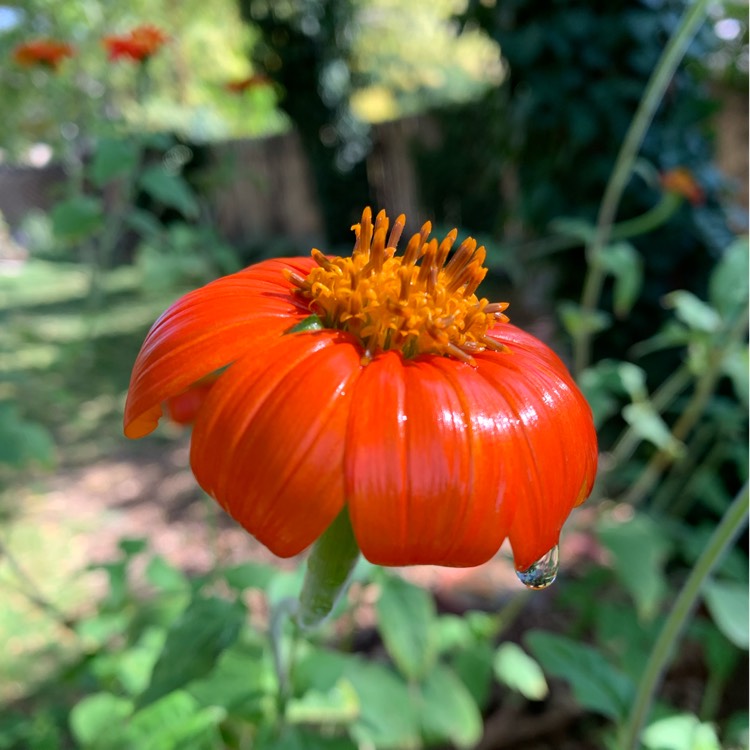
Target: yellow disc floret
{"x": 417, "y": 303}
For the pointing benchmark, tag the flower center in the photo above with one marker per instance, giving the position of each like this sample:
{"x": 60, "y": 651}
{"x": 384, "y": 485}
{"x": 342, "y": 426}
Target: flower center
{"x": 417, "y": 303}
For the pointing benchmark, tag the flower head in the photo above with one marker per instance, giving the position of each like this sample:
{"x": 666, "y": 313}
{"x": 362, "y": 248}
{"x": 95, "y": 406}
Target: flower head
{"x": 138, "y": 45}
{"x": 681, "y": 181}
{"x": 48, "y": 53}
{"x": 412, "y": 401}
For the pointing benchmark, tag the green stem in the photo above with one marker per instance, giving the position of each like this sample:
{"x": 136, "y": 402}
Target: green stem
{"x": 697, "y": 458}
{"x": 731, "y": 525}
{"x": 693, "y": 412}
{"x": 280, "y": 614}
{"x": 329, "y": 567}
{"x": 545, "y": 246}
{"x": 657, "y": 85}
{"x": 33, "y": 593}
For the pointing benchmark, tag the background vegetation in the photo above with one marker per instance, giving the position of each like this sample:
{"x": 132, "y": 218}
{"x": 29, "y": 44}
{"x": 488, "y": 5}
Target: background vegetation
{"x": 156, "y": 641}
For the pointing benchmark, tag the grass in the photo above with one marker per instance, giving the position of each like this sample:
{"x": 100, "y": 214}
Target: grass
{"x": 64, "y": 370}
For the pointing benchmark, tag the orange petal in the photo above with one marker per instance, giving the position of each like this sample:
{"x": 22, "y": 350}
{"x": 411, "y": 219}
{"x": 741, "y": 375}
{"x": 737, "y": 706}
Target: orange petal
{"x": 268, "y": 443}
{"x": 183, "y": 408}
{"x": 206, "y": 330}
{"x": 423, "y": 480}
{"x": 551, "y": 461}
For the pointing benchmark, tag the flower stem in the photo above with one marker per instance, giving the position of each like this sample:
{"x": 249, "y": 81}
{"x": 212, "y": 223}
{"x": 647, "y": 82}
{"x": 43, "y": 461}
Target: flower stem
{"x": 657, "y": 85}
{"x": 731, "y": 524}
{"x": 329, "y": 567}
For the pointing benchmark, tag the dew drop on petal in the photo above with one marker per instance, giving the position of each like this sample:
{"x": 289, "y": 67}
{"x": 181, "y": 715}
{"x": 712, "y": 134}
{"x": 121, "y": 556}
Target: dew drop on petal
{"x": 542, "y": 573}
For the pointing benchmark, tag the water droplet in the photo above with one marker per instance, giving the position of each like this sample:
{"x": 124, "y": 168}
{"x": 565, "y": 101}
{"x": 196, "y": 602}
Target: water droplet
{"x": 542, "y": 573}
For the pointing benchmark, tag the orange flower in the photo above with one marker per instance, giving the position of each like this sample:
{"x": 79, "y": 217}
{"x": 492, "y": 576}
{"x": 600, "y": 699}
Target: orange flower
{"x": 681, "y": 181}
{"x": 138, "y": 45}
{"x": 46, "y": 52}
{"x": 241, "y": 85}
{"x": 408, "y": 399}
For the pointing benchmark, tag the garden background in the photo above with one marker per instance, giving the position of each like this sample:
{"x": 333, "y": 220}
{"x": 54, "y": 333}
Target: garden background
{"x": 612, "y": 199}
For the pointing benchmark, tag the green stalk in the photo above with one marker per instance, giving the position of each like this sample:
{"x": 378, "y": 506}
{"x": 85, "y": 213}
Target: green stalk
{"x": 32, "y": 593}
{"x": 329, "y": 567}
{"x": 545, "y": 246}
{"x": 731, "y": 525}
{"x": 694, "y": 410}
{"x": 657, "y": 85}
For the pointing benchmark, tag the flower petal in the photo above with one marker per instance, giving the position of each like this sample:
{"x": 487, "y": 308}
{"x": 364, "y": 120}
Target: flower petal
{"x": 208, "y": 329}
{"x": 423, "y": 482}
{"x": 551, "y": 462}
{"x": 268, "y": 443}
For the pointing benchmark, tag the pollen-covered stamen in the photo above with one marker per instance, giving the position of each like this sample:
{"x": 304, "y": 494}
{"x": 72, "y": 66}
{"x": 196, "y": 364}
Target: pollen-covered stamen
{"x": 416, "y": 303}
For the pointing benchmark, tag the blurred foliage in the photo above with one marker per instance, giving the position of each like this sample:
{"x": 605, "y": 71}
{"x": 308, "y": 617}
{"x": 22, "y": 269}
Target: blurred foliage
{"x": 91, "y": 96}
{"x": 159, "y": 659}
{"x": 306, "y": 46}
{"x": 542, "y": 146}
{"x": 408, "y": 57}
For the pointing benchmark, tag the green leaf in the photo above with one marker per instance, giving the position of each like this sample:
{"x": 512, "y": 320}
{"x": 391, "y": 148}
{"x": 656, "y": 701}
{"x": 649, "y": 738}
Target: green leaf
{"x": 113, "y": 158}
{"x": 249, "y": 576}
{"x": 693, "y": 312}
{"x": 170, "y": 189}
{"x": 577, "y": 321}
{"x": 144, "y": 222}
{"x": 406, "y": 617}
{"x": 388, "y": 719}
{"x": 516, "y": 669}
{"x": 680, "y": 732}
{"x": 624, "y": 263}
{"x": 97, "y": 718}
{"x": 76, "y": 218}
{"x": 601, "y": 384}
{"x": 298, "y": 738}
{"x": 243, "y": 682}
{"x": 633, "y": 380}
{"x": 736, "y": 366}
{"x": 194, "y": 643}
{"x": 448, "y": 711}
{"x": 134, "y": 665}
{"x": 132, "y": 546}
{"x": 648, "y": 425}
{"x": 473, "y": 665}
{"x": 339, "y": 705}
{"x": 728, "y": 603}
{"x": 451, "y": 632}
{"x": 728, "y": 285}
{"x": 23, "y": 442}
{"x": 639, "y": 550}
{"x": 175, "y": 721}
{"x": 596, "y": 684}
{"x": 164, "y": 576}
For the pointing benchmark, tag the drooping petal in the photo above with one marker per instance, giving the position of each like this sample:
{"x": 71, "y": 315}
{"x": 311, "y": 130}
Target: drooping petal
{"x": 423, "y": 482}
{"x": 208, "y": 329}
{"x": 551, "y": 462}
{"x": 268, "y": 443}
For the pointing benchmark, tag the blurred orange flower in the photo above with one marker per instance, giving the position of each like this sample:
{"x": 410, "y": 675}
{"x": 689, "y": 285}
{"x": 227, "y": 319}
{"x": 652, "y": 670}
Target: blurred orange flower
{"x": 139, "y": 44}
{"x": 379, "y": 382}
{"x": 46, "y": 52}
{"x": 241, "y": 85}
{"x": 681, "y": 180}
